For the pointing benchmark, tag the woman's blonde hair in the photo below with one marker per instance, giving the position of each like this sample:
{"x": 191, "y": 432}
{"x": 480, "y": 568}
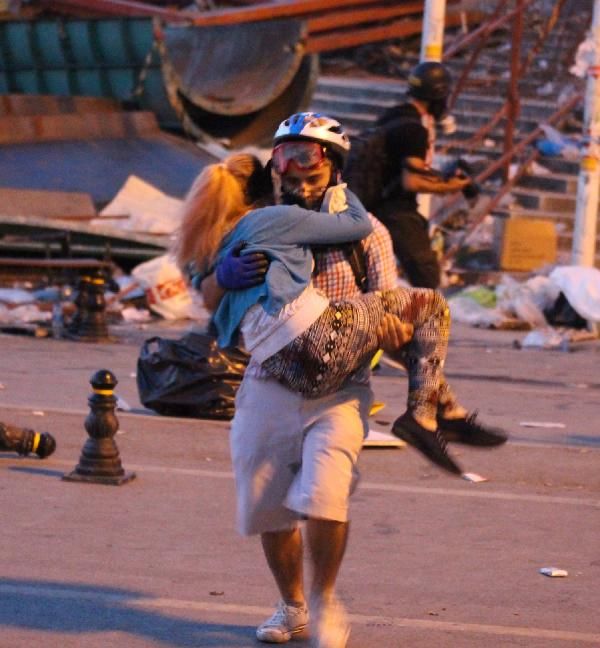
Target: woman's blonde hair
{"x": 219, "y": 197}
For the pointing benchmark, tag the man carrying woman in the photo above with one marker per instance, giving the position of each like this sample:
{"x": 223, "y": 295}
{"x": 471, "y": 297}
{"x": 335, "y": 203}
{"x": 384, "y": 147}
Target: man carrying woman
{"x": 298, "y": 460}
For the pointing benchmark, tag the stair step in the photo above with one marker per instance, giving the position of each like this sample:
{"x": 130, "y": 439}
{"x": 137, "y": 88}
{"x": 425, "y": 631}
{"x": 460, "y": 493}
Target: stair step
{"x": 545, "y": 200}
{"x": 555, "y": 182}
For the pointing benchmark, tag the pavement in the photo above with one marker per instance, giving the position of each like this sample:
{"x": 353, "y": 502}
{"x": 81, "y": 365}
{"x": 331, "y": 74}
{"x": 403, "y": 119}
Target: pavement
{"x": 433, "y": 560}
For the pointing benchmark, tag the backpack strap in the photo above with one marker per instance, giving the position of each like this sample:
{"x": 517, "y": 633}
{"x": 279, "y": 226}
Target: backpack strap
{"x": 354, "y": 254}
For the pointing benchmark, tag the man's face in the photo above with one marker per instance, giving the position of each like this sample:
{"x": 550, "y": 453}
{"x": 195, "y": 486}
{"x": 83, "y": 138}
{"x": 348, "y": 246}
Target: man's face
{"x": 438, "y": 108}
{"x": 303, "y": 187}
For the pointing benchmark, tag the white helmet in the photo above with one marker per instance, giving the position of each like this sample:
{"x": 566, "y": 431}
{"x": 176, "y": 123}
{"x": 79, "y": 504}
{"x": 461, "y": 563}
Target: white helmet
{"x": 316, "y": 128}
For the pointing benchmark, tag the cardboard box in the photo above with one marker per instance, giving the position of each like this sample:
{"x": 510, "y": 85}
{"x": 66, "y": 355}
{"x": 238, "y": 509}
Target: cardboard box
{"x": 527, "y": 244}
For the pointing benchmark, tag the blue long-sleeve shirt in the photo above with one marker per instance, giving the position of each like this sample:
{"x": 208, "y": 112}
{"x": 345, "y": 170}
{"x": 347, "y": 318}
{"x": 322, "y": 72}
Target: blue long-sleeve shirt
{"x": 284, "y": 233}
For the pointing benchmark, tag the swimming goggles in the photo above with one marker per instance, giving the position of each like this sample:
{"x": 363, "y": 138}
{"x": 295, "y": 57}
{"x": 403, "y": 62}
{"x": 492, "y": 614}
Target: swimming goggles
{"x": 305, "y": 155}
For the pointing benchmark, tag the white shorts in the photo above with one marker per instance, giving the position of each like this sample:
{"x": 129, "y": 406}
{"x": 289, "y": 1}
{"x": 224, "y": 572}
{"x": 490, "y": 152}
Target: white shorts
{"x": 293, "y": 457}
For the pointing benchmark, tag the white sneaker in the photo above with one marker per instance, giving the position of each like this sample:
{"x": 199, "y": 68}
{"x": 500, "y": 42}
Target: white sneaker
{"x": 285, "y": 622}
{"x": 330, "y": 627}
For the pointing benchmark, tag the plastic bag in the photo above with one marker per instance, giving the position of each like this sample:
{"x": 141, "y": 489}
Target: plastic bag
{"x": 581, "y": 287}
{"x": 166, "y": 290}
{"x": 190, "y": 377}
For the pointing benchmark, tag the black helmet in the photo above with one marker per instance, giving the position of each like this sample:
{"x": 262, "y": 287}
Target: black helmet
{"x": 429, "y": 81}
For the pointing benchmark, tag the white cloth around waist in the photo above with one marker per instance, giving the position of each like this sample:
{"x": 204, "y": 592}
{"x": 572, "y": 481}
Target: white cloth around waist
{"x": 266, "y": 334}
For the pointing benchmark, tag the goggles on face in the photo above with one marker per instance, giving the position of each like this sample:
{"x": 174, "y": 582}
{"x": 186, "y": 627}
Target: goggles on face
{"x": 304, "y": 155}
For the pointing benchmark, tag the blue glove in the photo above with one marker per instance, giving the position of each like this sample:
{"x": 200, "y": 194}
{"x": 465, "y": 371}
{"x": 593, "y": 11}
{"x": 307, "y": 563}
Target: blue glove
{"x": 238, "y": 272}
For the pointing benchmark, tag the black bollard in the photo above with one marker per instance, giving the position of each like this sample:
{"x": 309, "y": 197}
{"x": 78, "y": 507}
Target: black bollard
{"x": 25, "y": 441}
{"x": 89, "y": 322}
{"x": 99, "y": 462}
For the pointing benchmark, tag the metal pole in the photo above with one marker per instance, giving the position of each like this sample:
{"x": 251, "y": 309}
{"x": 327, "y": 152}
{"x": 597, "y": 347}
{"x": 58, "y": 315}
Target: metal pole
{"x": 432, "y": 39}
{"x": 513, "y": 86}
{"x": 586, "y": 210}
{"x": 432, "y": 46}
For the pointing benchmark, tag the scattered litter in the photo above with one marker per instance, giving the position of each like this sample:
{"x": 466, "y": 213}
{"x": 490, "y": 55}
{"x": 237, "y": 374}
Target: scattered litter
{"x": 474, "y": 478}
{"x": 555, "y": 143}
{"x": 38, "y": 413}
{"x": 542, "y": 424}
{"x": 554, "y": 572}
{"x": 377, "y": 439}
{"x": 149, "y": 209}
{"x": 466, "y": 310}
{"x": 123, "y": 405}
{"x": 581, "y": 287}
{"x": 546, "y": 338}
{"x": 584, "y": 58}
{"x": 25, "y": 329}
{"x": 166, "y": 290}
{"x": 132, "y": 314}
{"x": 133, "y": 375}
{"x": 546, "y": 89}
{"x": 489, "y": 143}
{"x": 376, "y": 407}
{"x": 15, "y": 296}
{"x": 537, "y": 169}
{"x": 215, "y": 593}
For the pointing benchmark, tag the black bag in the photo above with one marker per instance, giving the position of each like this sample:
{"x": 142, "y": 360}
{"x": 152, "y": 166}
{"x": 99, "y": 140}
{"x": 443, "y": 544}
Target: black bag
{"x": 561, "y": 313}
{"x": 369, "y": 171}
{"x": 190, "y": 377}
{"x": 366, "y": 170}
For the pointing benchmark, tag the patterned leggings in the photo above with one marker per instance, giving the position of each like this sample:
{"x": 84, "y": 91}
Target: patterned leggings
{"x": 344, "y": 338}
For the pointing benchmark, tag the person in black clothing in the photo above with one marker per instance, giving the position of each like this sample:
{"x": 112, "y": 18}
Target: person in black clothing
{"x": 410, "y": 129}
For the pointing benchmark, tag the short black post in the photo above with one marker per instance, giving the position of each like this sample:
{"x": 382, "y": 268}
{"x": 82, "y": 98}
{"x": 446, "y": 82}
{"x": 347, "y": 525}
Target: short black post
{"x": 99, "y": 462}
{"x": 89, "y": 322}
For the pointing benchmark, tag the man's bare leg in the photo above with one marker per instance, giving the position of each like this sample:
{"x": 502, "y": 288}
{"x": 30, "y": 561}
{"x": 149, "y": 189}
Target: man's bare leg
{"x": 284, "y": 553}
{"x": 327, "y": 541}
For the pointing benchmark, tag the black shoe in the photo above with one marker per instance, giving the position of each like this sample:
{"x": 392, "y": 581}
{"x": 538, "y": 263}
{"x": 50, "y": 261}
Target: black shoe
{"x": 432, "y": 444}
{"x": 468, "y": 431}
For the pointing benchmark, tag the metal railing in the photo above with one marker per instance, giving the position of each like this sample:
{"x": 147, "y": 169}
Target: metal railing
{"x": 509, "y": 111}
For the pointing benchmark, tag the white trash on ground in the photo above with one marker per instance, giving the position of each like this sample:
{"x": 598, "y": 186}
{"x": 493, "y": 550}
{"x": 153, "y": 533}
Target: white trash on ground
{"x": 581, "y": 287}
{"x": 554, "y": 572}
{"x": 542, "y": 424}
{"x": 150, "y": 210}
{"x": 474, "y": 478}
{"x": 23, "y": 314}
{"x": 376, "y": 439}
{"x": 166, "y": 290}
{"x": 466, "y": 310}
{"x": 544, "y": 338}
{"x": 135, "y": 315}
{"x": 15, "y": 296}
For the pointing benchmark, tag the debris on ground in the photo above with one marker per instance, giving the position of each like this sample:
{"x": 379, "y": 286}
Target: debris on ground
{"x": 554, "y": 572}
{"x": 559, "y": 308}
{"x": 474, "y": 478}
{"x": 542, "y": 424}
